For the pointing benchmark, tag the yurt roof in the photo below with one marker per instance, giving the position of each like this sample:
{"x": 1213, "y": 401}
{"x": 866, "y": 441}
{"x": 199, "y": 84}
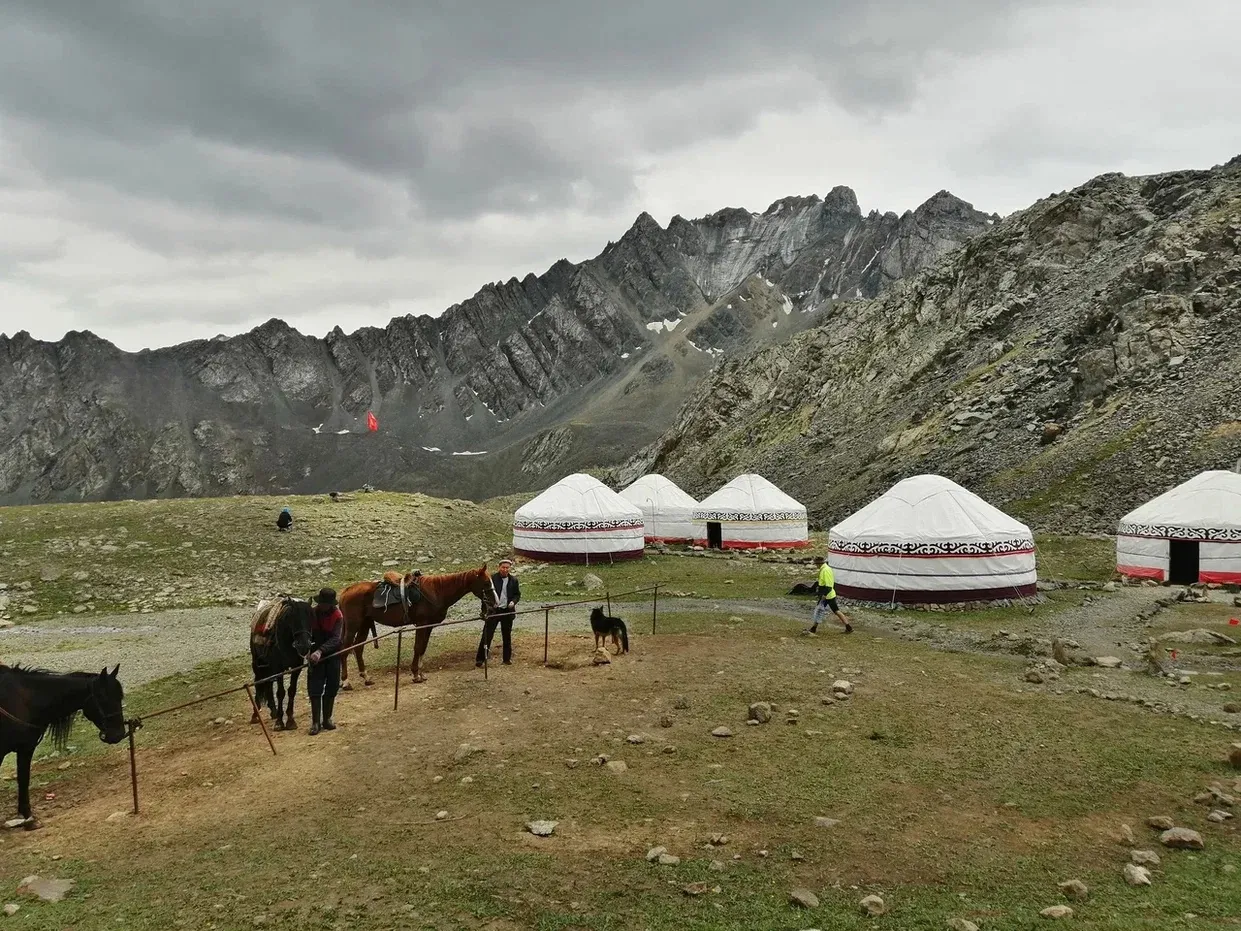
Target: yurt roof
{"x": 659, "y": 490}
{"x": 929, "y": 508}
{"x": 1209, "y": 500}
{"x": 750, "y": 493}
{"x": 578, "y": 496}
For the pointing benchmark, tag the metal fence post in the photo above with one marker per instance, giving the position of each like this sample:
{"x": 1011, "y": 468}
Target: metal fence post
{"x": 396, "y": 689}
{"x": 255, "y": 706}
{"x": 608, "y": 597}
{"x": 133, "y": 766}
{"x": 654, "y": 607}
{"x": 547, "y": 624}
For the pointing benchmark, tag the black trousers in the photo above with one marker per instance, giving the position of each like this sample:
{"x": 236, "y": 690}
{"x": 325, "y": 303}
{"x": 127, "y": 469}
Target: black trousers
{"x": 505, "y": 621}
{"x": 323, "y": 678}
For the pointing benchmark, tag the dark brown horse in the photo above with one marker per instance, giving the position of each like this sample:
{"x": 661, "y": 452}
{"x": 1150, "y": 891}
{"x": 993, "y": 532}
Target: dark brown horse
{"x": 428, "y": 599}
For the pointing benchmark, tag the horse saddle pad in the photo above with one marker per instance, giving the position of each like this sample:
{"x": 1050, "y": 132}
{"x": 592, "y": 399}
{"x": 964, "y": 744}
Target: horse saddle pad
{"x": 390, "y": 590}
{"x": 264, "y": 623}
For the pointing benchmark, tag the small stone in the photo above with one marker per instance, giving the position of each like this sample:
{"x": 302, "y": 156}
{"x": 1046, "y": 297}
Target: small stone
{"x": 721, "y": 732}
{"x": 1219, "y": 816}
{"x": 1161, "y": 823}
{"x": 117, "y": 816}
{"x": 696, "y": 889}
{"x": 804, "y": 898}
{"x": 1232, "y": 707}
{"x": 591, "y": 582}
{"x": 1057, "y": 911}
{"x": 874, "y": 906}
{"x": 1125, "y": 835}
{"x": 681, "y": 703}
{"x": 1108, "y": 662}
{"x": 1144, "y": 857}
{"x": 655, "y": 853}
{"x": 441, "y": 815}
{"x": 1035, "y": 676}
{"x": 827, "y": 700}
{"x": 11, "y": 909}
{"x": 842, "y": 687}
{"x": 49, "y": 890}
{"x": 717, "y": 840}
{"x": 1234, "y": 756}
{"x": 760, "y": 711}
{"x": 1137, "y": 875}
{"x": 636, "y": 739}
{"x": 541, "y": 828}
{"x": 1182, "y": 839}
{"x": 617, "y": 766}
{"x": 961, "y": 924}
{"x": 825, "y": 822}
{"x": 665, "y": 720}
{"x": 1074, "y": 889}
{"x": 718, "y": 866}
{"x": 667, "y": 859}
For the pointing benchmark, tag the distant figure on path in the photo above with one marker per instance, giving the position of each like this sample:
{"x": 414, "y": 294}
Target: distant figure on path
{"x": 324, "y": 673}
{"x": 508, "y": 593}
{"x": 285, "y": 520}
{"x": 827, "y": 599}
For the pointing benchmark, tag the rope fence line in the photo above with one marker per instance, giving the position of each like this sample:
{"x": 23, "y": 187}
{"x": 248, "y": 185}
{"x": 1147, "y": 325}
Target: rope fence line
{"x": 250, "y": 687}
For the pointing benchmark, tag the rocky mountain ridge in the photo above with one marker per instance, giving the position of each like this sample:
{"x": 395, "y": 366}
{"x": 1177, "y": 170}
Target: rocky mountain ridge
{"x": 574, "y": 368}
{"x": 1077, "y": 359}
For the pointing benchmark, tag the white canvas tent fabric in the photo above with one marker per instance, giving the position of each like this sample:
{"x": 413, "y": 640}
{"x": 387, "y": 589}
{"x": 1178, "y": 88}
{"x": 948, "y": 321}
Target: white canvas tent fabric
{"x": 579, "y": 519}
{"x": 928, "y": 540}
{"x": 667, "y": 511}
{"x": 1192, "y": 530}
{"x": 751, "y": 512}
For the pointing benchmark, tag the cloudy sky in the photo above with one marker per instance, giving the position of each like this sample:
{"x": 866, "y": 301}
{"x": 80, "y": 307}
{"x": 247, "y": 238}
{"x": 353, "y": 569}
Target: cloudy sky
{"x": 173, "y": 169}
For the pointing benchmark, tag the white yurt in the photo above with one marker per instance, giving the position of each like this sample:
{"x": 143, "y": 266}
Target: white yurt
{"x": 927, "y": 540}
{"x": 579, "y": 519}
{"x": 1189, "y": 534}
{"x": 667, "y": 510}
{"x": 750, "y": 512}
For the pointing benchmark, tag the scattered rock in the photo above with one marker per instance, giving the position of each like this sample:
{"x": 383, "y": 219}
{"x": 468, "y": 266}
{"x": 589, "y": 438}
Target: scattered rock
{"x": 717, "y": 840}
{"x": 1181, "y": 839}
{"x": 804, "y": 898}
{"x": 1219, "y": 816}
{"x": 541, "y": 828}
{"x": 655, "y": 853}
{"x": 961, "y": 924}
{"x": 718, "y": 866}
{"x": 1057, "y": 911}
{"x": 601, "y": 658}
{"x": 1051, "y": 430}
{"x": 1137, "y": 875}
{"x": 681, "y": 703}
{"x": 592, "y": 582}
{"x": 11, "y": 909}
{"x": 465, "y": 751}
{"x": 636, "y": 739}
{"x": 760, "y": 711}
{"x": 1232, "y": 707}
{"x": 49, "y": 890}
{"x": 842, "y": 687}
{"x": 874, "y": 906}
{"x": 1035, "y": 676}
{"x": 1234, "y": 756}
{"x": 617, "y": 766}
{"x": 1108, "y": 662}
{"x": 721, "y": 732}
{"x": 696, "y": 889}
{"x": 1198, "y": 635}
{"x": 665, "y": 720}
{"x": 825, "y": 822}
{"x": 1074, "y": 889}
{"x": 441, "y": 815}
{"x": 1125, "y": 835}
{"x": 117, "y": 816}
{"x": 1144, "y": 857}
{"x": 667, "y": 859}
{"x": 828, "y": 701}
{"x": 1161, "y": 823}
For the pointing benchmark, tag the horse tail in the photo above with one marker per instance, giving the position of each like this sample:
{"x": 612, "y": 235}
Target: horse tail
{"x": 624, "y": 632}
{"x": 370, "y": 624}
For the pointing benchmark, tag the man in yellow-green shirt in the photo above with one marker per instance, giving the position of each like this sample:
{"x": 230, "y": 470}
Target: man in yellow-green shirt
{"x": 827, "y": 598}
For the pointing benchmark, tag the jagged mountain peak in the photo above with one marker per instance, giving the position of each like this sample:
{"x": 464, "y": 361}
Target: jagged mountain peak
{"x": 842, "y": 200}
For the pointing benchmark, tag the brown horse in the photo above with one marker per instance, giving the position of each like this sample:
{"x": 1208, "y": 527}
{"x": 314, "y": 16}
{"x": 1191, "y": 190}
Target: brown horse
{"x": 435, "y": 595}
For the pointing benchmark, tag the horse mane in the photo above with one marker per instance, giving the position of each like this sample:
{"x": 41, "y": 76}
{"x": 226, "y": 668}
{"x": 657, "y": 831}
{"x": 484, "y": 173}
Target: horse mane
{"x": 58, "y": 729}
{"x": 438, "y": 582}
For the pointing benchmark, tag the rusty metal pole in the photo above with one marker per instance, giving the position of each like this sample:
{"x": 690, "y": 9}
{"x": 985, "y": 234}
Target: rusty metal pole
{"x": 654, "y": 607}
{"x": 133, "y": 766}
{"x": 255, "y": 706}
{"x": 547, "y": 623}
{"x": 396, "y": 689}
{"x": 608, "y": 597}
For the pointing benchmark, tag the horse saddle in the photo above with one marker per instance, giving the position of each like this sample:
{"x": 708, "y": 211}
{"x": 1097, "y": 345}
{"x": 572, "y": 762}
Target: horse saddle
{"x": 264, "y": 623}
{"x": 393, "y": 589}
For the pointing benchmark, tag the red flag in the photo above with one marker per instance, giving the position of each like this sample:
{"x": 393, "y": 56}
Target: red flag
{"x": 371, "y": 423}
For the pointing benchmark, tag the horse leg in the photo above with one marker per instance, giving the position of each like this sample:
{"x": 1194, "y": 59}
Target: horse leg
{"x": 24, "y": 755}
{"x": 289, "y": 723}
{"x": 350, "y": 638}
{"x": 258, "y": 689}
{"x": 360, "y": 639}
{"x": 420, "y": 646}
{"x": 277, "y": 712}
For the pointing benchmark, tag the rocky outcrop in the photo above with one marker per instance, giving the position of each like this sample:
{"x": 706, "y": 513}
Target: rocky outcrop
{"x": 1069, "y": 363}
{"x": 605, "y": 347}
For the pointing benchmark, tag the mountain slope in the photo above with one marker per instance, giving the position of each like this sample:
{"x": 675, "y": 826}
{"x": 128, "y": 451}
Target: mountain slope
{"x": 1070, "y": 363}
{"x": 574, "y": 368}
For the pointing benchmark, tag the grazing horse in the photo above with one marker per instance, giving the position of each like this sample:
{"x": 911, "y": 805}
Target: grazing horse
{"x": 34, "y": 701}
{"x": 426, "y": 601}
{"x": 279, "y": 642}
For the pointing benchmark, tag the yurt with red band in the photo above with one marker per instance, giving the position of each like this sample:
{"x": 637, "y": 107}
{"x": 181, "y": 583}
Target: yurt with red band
{"x": 927, "y": 540}
{"x": 750, "y": 512}
{"x": 579, "y": 519}
{"x": 667, "y": 511}
{"x": 1191, "y": 533}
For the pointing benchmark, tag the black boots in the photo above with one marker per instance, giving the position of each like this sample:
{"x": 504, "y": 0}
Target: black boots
{"x": 329, "y": 702}
{"x": 316, "y": 703}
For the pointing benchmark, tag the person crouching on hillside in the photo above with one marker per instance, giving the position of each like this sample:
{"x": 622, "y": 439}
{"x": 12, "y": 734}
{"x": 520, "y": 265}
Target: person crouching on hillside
{"x": 827, "y": 599}
{"x": 285, "y": 520}
{"x": 323, "y": 677}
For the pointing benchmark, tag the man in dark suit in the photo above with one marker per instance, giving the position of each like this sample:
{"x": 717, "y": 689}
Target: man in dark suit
{"x": 508, "y": 593}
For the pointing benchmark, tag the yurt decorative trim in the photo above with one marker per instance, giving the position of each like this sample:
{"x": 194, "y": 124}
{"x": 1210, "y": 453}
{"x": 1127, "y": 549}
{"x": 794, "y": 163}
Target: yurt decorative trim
{"x": 927, "y": 540}
{"x": 579, "y": 519}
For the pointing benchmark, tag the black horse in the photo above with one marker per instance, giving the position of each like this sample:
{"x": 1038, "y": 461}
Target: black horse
{"x": 34, "y": 701}
{"x": 279, "y": 642}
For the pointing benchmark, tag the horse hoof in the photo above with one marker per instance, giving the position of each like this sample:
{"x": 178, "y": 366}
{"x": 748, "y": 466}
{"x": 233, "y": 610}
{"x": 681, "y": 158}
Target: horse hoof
{"x": 290, "y": 725}
{"x": 277, "y": 725}
{"x": 254, "y": 719}
{"x": 347, "y": 687}
{"x": 420, "y": 678}
{"x": 32, "y": 824}
{"x": 368, "y": 683}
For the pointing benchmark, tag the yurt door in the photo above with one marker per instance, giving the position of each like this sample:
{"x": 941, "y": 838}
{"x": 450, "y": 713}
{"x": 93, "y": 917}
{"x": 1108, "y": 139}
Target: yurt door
{"x": 715, "y": 536}
{"x": 1182, "y": 562}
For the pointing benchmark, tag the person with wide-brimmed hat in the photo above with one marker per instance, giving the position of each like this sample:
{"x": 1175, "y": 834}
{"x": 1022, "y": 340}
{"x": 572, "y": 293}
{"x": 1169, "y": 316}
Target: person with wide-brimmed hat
{"x": 323, "y": 676}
